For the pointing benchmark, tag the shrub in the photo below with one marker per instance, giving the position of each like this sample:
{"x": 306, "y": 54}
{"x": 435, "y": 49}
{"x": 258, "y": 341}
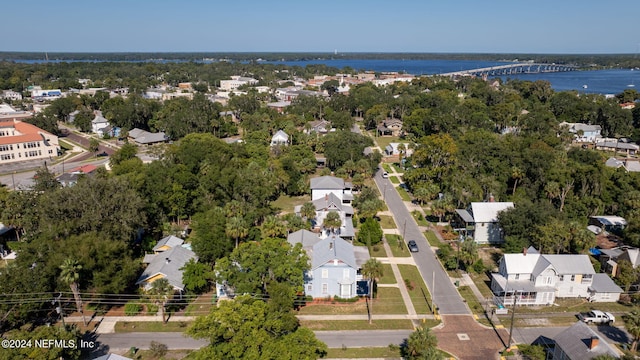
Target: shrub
{"x": 132, "y": 309}
{"x": 158, "y": 349}
{"x": 408, "y": 284}
{"x": 345, "y": 300}
{"x": 152, "y": 309}
{"x": 478, "y": 266}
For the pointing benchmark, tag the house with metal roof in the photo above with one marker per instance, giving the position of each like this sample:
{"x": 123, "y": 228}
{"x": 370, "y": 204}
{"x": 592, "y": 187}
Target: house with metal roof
{"x": 537, "y": 279}
{"x": 167, "y": 243}
{"x": 335, "y": 267}
{"x": 323, "y": 185}
{"x": 143, "y": 137}
{"x": 608, "y": 223}
{"x": 584, "y": 132}
{"x": 280, "y": 138}
{"x": 480, "y": 221}
{"x": 581, "y": 342}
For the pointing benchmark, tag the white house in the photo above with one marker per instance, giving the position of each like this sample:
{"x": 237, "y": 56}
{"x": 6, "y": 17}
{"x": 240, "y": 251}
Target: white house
{"x": 480, "y": 221}
{"x": 584, "y": 132}
{"x": 236, "y": 82}
{"x": 99, "y": 123}
{"x": 280, "y": 138}
{"x": 324, "y": 185}
{"x": 537, "y": 279}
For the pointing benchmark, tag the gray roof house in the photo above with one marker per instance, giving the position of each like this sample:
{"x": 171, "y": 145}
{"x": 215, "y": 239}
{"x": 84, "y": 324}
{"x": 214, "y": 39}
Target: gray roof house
{"x": 166, "y": 264}
{"x": 323, "y": 185}
{"x": 167, "y": 243}
{"x": 335, "y": 265}
{"x": 143, "y": 137}
{"x": 305, "y": 237}
{"x": 580, "y": 342}
{"x": 537, "y": 279}
{"x": 480, "y": 221}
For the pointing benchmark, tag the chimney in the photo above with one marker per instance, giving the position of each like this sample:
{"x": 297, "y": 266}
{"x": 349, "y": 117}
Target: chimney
{"x": 593, "y": 342}
{"x": 524, "y": 251}
{"x": 167, "y": 260}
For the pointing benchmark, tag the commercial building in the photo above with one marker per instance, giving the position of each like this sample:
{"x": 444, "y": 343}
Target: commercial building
{"x": 20, "y": 141}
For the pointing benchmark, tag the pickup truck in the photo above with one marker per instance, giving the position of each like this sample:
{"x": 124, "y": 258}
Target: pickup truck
{"x": 597, "y": 317}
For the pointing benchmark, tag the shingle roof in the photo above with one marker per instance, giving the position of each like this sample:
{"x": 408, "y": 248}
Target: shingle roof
{"x": 574, "y": 342}
{"x": 170, "y": 241}
{"x": 168, "y": 263}
{"x": 486, "y": 212}
{"x": 333, "y": 248}
{"x": 327, "y": 182}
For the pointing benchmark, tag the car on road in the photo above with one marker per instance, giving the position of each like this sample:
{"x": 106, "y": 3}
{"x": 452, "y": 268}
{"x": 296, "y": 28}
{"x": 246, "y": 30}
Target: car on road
{"x": 413, "y": 247}
{"x": 597, "y": 317}
{"x": 385, "y": 175}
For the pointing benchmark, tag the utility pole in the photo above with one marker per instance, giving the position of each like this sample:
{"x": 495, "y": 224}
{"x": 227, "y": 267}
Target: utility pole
{"x": 59, "y": 309}
{"x": 513, "y": 315}
{"x": 433, "y": 292}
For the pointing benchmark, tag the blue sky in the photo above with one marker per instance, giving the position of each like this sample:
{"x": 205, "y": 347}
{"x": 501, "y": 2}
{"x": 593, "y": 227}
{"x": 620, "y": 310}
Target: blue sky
{"x": 502, "y": 26}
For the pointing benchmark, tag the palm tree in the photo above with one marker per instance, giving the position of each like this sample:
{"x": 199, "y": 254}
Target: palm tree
{"x": 160, "y": 293}
{"x": 332, "y": 221}
{"x": 236, "y": 228}
{"x": 372, "y": 270}
{"x": 70, "y": 275}
{"x": 401, "y": 149}
{"x": 308, "y": 211}
{"x": 421, "y": 344}
{"x": 516, "y": 175}
{"x": 272, "y": 226}
{"x": 632, "y": 323}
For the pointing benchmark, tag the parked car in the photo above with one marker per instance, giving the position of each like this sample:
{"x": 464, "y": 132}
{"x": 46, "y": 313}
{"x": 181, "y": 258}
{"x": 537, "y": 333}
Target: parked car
{"x": 413, "y": 247}
{"x": 597, "y": 317}
{"x": 385, "y": 175}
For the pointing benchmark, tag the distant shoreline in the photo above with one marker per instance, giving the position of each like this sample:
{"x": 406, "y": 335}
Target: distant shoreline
{"x": 623, "y": 60}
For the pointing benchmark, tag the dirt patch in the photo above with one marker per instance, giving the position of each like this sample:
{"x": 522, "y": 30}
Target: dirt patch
{"x": 608, "y": 241}
{"x": 446, "y": 233}
{"x": 490, "y": 257}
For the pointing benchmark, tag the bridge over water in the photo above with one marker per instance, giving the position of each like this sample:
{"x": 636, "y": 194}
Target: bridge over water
{"x": 519, "y": 68}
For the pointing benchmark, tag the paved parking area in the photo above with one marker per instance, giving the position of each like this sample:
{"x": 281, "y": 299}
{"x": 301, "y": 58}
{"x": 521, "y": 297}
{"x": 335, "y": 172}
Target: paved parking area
{"x": 464, "y": 338}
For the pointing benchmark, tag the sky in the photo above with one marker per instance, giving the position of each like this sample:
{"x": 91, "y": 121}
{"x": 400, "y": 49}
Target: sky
{"x": 431, "y": 26}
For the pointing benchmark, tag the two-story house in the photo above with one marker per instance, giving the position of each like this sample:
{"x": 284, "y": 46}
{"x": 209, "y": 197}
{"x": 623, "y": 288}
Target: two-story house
{"x": 335, "y": 267}
{"x": 584, "y": 132}
{"x": 537, "y": 279}
{"x": 324, "y": 185}
{"x": 280, "y": 138}
{"x": 480, "y": 221}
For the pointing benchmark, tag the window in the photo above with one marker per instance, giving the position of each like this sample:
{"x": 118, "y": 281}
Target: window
{"x": 345, "y": 273}
{"x": 325, "y": 288}
{"x": 517, "y": 276}
{"x": 309, "y": 288}
{"x": 325, "y": 273}
{"x": 573, "y": 278}
{"x": 586, "y": 278}
{"x": 561, "y": 277}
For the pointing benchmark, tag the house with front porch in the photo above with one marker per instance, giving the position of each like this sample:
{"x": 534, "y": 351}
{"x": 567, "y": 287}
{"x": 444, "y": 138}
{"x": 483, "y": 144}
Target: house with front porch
{"x": 480, "y": 221}
{"x": 335, "y": 269}
{"x": 538, "y": 279}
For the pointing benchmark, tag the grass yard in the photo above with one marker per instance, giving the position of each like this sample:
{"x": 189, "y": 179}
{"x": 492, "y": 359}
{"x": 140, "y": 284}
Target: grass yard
{"x": 397, "y": 168}
{"x": 404, "y": 195}
{"x": 65, "y": 145}
{"x": 419, "y": 291}
{"x": 387, "y": 168}
{"x": 574, "y": 306}
{"x": 388, "y": 301}
{"x": 200, "y": 306}
{"x": 329, "y": 308}
{"x": 335, "y": 325}
{"x": 482, "y": 281}
{"x": 377, "y": 251}
{"x": 286, "y": 203}
{"x": 475, "y": 306}
{"x": 419, "y": 218}
{"x": 149, "y": 355}
{"x": 383, "y": 141}
{"x": 387, "y": 275}
{"x": 398, "y": 247}
{"x": 386, "y": 222}
{"x": 151, "y": 326}
{"x": 432, "y": 238}
{"x": 364, "y": 353}
{"x": 394, "y": 179}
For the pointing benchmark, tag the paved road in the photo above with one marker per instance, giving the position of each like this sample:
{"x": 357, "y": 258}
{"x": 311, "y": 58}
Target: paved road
{"x": 177, "y": 341}
{"x": 444, "y": 293}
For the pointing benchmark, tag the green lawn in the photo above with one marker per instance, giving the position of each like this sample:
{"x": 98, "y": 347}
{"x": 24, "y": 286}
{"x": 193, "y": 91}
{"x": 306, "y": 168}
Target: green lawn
{"x": 397, "y": 168}
{"x": 388, "y": 301}
{"x": 151, "y": 326}
{"x": 387, "y": 168}
{"x": 419, "y": 291}
{"x": 419, "y": 218}
{"x": 334, "y": 325}
{"x": 404, "y": 195}
{"x": 329, "y": 308}
{"x": 386, "y": 222}
{"x": 387, "y": 277}
{"x": 286, "y": 203}
{"x": 149, "y": 355}
{"x": 394, "y": 179}
{"x": 432, "y": 238}
{"x": 65, "y": 145}
{"x": 398, "y": 247}
{"x": 377, "y": 251}
{"x": 383, "y": 141}
{"x": 475, "y": 306}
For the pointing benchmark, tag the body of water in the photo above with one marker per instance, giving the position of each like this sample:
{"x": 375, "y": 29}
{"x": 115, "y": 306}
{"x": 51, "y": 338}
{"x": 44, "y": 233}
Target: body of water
{"x": 596, "y": 81}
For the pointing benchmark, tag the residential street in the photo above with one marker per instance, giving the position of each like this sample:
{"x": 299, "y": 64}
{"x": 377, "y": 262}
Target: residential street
{"x": 444, "y": 293}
